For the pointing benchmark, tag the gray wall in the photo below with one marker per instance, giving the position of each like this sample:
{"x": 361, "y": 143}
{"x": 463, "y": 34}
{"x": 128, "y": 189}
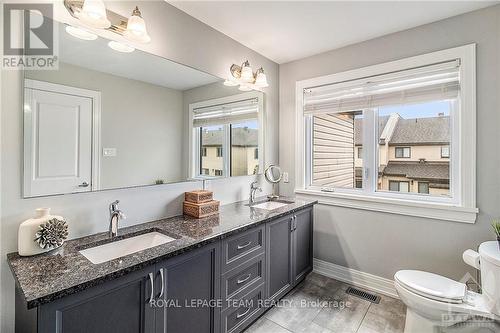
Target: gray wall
{"x": 175, "y": 36}
{"x": 143, "y": 121}
{"x": 380, "y": 243}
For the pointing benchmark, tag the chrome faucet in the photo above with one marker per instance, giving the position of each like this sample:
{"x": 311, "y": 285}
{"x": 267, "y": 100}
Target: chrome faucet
{"x": 254, "y": 187}
{"x": 114, "y": 216}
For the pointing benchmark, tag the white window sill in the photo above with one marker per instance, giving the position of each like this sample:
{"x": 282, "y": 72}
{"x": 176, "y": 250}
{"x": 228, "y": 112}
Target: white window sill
{"x": 432, "y": 210}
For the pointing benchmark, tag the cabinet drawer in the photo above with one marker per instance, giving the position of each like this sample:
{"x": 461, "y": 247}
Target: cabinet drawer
{"x": 248, "y": 274}
{"x": 243, "y": 311}
{"x": 243, "y": 246}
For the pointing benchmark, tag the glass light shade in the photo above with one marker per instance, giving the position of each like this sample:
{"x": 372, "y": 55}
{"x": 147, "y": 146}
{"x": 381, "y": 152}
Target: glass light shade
{"x": 136, "y": 28}
{"x": 94, "y": 14}
{"x": 230, "y": 83}
{"x": 80, "y": 33}
{"x": 261, "y": 80}
{"x": 246, "y": 73}
{"x": 120, "y": 47}
{"x": 245, "y": 87}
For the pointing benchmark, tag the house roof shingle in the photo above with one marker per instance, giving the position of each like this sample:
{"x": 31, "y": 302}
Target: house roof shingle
{"x": 418, "y": 170}
{"x": 358, "y": 128}
{"x": 241, "y": 136}
{"x": 435, "y": 130}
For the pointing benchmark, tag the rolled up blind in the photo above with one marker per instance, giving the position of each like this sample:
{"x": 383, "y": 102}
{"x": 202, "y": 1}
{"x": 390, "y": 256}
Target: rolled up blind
{"x": 433, "y": 82}
{"x": 233, "y": 112}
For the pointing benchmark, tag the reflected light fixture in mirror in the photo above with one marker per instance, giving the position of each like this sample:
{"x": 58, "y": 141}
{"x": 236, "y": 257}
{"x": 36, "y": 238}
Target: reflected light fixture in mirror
{"x": 94, "y": 15}
{"x": 245, "y": 78}
{"x": 80, "y": 33}
{"x": 120, "y": 47}
{"x": 136, "y": 28}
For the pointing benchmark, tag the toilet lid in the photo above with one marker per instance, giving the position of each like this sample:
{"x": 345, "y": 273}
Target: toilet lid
{"x": 432, "y": 286}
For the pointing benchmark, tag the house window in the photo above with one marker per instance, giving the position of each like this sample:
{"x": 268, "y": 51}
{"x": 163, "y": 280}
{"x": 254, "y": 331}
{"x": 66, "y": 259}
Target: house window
{"x": 398, "y": 186}
{"x": 445, "y": 152}
{"x": 423, "y": 187}
{"x": 226, "y": 133}
{"x": 397, "y": 116}
{"x": 403, "y": 152}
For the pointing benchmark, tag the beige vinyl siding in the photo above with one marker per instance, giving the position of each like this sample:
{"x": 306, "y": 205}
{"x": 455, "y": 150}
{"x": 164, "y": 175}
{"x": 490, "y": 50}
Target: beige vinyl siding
{"x": 333, "y": 150}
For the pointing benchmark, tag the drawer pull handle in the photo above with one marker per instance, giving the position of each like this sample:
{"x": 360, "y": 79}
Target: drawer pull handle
{"x": 242, "y": 246}
{"x": 239, "y": 315}
{"x": 151, "y": 282}
{"x": 162, "y": 283}
{"x": 245, "y": 279}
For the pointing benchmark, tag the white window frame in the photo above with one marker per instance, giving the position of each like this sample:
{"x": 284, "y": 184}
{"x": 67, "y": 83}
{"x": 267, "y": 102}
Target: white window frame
{"x": 461, "y": 207}
{"x": 194, "y": 136}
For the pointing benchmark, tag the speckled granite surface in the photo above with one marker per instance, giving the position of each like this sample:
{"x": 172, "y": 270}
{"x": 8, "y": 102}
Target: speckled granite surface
{"x": 46, "y": 277}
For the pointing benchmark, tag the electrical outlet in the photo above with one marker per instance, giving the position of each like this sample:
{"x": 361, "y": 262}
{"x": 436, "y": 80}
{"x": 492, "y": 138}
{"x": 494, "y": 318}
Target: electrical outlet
{"x": 285, "y": 177}
{"x": 109, "y": 152}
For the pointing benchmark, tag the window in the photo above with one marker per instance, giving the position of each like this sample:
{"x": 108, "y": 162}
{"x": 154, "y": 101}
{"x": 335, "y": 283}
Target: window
{"x": 227, "y": 135}
{"x": 423, "y": 187}
{"x": 398, "y": 186}
{"x": 403, "y": 152}
{"x": 445, "y": 152}
{"x": 360, "y": 152}
{"x": 380, "y": 138}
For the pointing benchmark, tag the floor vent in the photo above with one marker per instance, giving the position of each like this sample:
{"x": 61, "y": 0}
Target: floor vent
{"x": 363, "y": 294}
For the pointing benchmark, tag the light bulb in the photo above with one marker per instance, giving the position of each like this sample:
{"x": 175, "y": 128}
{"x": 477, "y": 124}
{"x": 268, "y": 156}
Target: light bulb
{"x": 80, "y": 33}
{"x": 261, "y": 79}
{"x": 136, "y": 28}
{"x": 120, "y": 47}
{"x": 94, "y": 14}
{"x": 246, "y": 73}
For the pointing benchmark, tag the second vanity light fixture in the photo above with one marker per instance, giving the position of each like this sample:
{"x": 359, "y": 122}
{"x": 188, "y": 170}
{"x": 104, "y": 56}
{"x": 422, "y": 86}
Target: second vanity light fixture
{"x": 244, "y": 77}
{"x": 93, "y": 14}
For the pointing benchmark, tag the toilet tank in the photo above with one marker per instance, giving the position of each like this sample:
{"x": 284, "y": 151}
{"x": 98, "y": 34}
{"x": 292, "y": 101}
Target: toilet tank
{"x": 490, "y": 274}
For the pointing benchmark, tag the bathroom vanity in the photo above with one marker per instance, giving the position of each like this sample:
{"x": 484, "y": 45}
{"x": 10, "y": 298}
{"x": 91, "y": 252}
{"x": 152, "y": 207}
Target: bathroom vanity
{"x": 218, "y": 274}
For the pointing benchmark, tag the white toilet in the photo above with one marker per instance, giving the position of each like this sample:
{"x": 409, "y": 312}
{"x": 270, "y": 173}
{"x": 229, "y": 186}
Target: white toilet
{"x": 435, "y": 302}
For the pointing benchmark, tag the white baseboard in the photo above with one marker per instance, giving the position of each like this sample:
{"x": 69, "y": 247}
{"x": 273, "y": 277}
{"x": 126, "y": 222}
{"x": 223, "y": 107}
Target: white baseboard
{"x": 356, "y": 278}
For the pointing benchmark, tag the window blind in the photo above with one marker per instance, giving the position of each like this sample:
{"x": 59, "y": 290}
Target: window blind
{"x": 433, "y": 82}
{"x": 233, "y": 112}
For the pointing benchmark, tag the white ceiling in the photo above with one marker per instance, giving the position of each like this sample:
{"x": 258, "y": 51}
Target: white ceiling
{"x": 288, "y": 30}
{"x": 138, "y": 65}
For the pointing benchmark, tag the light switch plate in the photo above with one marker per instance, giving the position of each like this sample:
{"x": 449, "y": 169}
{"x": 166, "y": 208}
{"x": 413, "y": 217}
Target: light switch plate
{"x": 285, "y": 177}
{"x": 108, "y": 152}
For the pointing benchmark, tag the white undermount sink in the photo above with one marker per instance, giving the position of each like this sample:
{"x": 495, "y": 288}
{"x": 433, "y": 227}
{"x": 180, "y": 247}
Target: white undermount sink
{"x": 113, "y": 250}
{"x": 270, "y": 205}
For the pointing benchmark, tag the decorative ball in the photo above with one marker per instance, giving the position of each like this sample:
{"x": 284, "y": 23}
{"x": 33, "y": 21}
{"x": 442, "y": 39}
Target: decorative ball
{"x": 52, "y": 234}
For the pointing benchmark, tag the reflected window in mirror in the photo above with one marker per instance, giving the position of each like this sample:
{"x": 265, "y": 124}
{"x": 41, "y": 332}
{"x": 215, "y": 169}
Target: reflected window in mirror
{"x": 227, "y": 136}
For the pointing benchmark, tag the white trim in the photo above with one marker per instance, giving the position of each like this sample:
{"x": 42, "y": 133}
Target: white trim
{"x": 96, "y": 127}
{"x": 460, "y": 208}
{"x": 194, "y": 159}
{"x": 356, "y": 278}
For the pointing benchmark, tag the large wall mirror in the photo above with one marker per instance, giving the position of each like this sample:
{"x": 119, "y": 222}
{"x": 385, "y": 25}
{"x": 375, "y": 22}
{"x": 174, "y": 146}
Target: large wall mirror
{"x": 108, "y": 119}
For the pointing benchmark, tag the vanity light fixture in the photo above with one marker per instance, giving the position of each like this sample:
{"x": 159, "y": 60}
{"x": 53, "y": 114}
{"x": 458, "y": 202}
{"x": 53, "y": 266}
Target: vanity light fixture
{"x": 80, "y": 33}
{"x": 246, "y": 78}
{"x": 93, "y": 14}
{"x": 136, "y": 28}
{"x": 120, "y": 47}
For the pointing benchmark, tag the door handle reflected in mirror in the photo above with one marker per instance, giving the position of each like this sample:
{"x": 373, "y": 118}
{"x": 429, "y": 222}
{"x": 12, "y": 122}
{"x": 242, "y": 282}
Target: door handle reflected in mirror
{"x": 84, "y": 184}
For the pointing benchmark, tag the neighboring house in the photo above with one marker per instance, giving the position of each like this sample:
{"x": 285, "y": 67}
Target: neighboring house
{"x": 244, "y": 152}
{"x": 414, "y": 154}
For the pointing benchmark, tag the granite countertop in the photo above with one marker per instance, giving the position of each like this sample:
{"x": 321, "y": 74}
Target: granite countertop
{"x": 49, "y": 276}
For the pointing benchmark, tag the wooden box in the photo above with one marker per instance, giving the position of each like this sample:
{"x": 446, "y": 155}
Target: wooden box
{"x": 200, "y": 210}
{"x": 199, "y": 196}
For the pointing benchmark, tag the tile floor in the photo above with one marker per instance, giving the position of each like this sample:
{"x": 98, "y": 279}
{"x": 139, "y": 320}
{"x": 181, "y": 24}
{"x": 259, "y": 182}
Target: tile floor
{"x": 320, "y": 305}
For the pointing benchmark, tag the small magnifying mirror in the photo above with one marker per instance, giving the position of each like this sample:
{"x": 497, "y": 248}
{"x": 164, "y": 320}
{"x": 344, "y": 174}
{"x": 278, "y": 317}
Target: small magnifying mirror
{"x": 273, "y": 175}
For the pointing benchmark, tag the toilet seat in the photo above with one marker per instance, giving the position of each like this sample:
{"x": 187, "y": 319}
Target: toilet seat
{"x": 432, "y": 286}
